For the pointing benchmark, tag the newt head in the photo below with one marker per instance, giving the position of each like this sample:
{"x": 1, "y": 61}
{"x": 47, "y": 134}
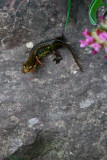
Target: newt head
{"x": 28, "y": 68}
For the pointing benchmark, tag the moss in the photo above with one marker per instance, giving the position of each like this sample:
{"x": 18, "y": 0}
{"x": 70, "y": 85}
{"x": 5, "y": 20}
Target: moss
{"x": 36, "y": 151}
{"x": 60, "y": 154}
{"x": 13, "y": 157}
{"x": 42, "y": 146}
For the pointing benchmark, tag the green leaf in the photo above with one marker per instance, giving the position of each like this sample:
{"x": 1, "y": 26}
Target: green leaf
{"x": 68, "y": 14}
{"x": 93, "y": 9}
{"x": 92, "y": 3}
{"x": 103, "y": 4}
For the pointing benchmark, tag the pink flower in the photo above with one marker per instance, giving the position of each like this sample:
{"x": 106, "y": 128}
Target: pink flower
{"x": 96, "y": 47}
{"x": 106, "y": 49}
{"x": 89, "y": 39}
{"x": 105, "y": 57}
{"x": 85, "y": 33}
{"x": 94, "y": 52}
{"x": 96, "y": 38}
{"x": 83, "y": 43}
{"x": 103, "y": 36}
{"x": 101, "y": 17}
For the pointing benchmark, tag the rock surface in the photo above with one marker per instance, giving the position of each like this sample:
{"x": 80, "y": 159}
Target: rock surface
{"x": 56, "y": 112}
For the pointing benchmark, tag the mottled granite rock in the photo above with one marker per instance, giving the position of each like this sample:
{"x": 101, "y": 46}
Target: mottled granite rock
{"x": 56, "y": 112}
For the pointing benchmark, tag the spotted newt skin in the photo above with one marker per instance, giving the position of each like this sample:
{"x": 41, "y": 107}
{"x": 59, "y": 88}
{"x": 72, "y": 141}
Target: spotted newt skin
{"x": 43, "y": 48}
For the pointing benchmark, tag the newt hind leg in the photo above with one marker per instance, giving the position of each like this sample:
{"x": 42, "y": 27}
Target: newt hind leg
{"x": 58, "y": 57}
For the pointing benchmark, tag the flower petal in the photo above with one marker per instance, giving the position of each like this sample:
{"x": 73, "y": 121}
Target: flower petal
{"x": 105, "y": 48}
{"x": 101, "y": 17}
{"x": 94, "y": 52}
{"x": 85, "y": 33}
{"x": 103, "y": 36}
{"x": 89, "y": 39}
{"x": 96, "y": 47}
{"x": 83, "y": 43}
{"x": 98, "y": 31}
{"x": 105, "y": 56}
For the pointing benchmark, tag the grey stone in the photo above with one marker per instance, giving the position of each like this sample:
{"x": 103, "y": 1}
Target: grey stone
{"x": 86, "y": 103}
{"x": 57, "y": 112}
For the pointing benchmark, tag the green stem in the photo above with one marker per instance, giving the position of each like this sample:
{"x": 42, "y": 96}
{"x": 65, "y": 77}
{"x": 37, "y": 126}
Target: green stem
{"x": 68, "y": 14}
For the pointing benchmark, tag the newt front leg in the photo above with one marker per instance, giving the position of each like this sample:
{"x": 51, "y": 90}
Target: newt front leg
{"x": 58, "y": 57}
{"x": 39, "y": 62}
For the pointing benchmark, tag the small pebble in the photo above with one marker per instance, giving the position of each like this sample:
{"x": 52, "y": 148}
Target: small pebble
{"x": 29, "y": 45}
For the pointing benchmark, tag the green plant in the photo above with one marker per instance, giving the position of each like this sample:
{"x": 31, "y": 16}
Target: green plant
{"x": 95, "y": 4}
{"x": 68, "y": 13}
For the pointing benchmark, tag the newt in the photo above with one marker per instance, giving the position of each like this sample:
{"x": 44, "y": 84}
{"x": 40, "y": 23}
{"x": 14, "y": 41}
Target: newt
{"x": 43, "y": 48}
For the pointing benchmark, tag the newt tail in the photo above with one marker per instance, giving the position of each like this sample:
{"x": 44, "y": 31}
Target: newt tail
{"x": 43, "y": 48}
